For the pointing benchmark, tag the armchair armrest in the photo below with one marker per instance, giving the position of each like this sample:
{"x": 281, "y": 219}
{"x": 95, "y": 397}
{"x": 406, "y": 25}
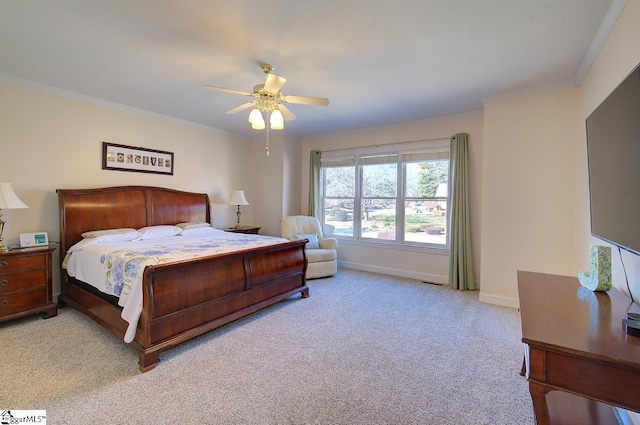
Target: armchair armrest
{"x": 329, "y": 243}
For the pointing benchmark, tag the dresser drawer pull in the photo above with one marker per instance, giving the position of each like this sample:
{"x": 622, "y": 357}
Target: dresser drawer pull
{"x": 4, "y": 303}
{"x": 4, "y": 264}
{"x": 4, "y": 282}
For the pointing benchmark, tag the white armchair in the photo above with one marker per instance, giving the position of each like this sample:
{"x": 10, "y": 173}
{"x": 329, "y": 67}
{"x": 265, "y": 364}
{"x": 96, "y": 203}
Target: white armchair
{"x": 322, "y": 257}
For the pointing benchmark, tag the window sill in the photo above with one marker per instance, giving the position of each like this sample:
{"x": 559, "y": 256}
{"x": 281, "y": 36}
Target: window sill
{"x": 393, "y": 246}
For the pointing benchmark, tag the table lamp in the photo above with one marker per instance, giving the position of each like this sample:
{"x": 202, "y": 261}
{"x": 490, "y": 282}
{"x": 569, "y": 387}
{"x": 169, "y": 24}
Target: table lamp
{"x": 237, "y": 198}
{"x": 8, "y": 201}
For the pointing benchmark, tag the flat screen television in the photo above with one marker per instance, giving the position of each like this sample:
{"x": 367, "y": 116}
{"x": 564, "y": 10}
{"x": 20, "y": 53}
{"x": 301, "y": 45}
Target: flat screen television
{"x": 613, "y": 148}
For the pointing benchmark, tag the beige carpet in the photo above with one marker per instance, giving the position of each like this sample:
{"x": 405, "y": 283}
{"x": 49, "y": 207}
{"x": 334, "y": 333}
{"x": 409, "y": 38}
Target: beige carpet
{"x": 363, "y": 349}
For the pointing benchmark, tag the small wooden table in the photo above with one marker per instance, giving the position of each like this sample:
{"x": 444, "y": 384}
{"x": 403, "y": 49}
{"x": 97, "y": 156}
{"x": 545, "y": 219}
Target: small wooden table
{"x": 575, "y": 343}
{"x": 25, "y": 283}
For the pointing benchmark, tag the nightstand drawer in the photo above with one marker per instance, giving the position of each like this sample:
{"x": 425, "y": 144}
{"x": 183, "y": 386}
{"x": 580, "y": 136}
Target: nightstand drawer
{"x": 23, "y": 300}
{"x": 11, "y": 264}
{"x": 14, "y": 281}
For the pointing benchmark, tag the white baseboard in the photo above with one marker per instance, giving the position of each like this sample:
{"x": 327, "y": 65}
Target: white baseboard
{"x": 501, "y": 301}
{"x": 425, "y": 277}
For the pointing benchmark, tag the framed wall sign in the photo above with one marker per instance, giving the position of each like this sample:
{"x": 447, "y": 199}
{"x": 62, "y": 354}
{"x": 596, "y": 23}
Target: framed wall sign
{"x": 130, "y": 158}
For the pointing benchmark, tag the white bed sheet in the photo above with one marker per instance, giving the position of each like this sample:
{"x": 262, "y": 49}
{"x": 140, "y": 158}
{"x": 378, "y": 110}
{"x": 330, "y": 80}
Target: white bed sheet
{"x": 117, "y": 268}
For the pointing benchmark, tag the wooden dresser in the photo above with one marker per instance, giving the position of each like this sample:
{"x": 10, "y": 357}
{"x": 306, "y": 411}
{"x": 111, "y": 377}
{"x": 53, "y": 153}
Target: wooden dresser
{"x": 578, "y": 360}
{"x": 25, "y": 283}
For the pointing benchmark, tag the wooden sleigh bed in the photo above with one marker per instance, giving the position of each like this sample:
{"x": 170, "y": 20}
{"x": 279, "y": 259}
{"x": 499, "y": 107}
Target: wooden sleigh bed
{"x": 180, "y": 300}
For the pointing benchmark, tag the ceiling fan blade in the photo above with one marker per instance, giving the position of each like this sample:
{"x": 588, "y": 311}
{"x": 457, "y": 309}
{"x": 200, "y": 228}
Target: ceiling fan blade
{"x": 245, "y": 93}
{"x": 306, "y": 100}
{"x": 240, "y": 108}
{"x": 286, "y": 113}
{"x": 274, "y": 83}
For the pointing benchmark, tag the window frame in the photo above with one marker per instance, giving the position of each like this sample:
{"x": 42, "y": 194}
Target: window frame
{"x": 357, "y": 158}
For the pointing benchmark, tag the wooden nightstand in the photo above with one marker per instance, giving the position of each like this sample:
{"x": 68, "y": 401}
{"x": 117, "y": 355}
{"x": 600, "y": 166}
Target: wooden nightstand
{"x": 244, "y": 229}
{"x": 25, "y": 283}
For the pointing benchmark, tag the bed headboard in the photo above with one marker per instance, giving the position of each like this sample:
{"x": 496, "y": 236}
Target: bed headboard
{"x": 82, "y": 210}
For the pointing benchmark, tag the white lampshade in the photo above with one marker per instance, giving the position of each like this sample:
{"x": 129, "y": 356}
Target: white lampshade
{"x": 258, "y": 124}
{"x": 8, "y": 198}
{"x": 238, "y": 198}
{"x": 255, "y": 115}
{"x": 256, "y": 119}
{"x": 276, "y": 120}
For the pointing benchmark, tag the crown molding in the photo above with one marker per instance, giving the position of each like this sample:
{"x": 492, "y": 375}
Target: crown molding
{"x": 105, "y": 103}
{"x": 603, "y": 32}
{"x": 605, "y": 28}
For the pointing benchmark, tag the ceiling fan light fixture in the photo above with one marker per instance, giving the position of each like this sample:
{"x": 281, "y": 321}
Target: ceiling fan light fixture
{"x": 258, "y": 126}
{"x": 256, "y": 116}
{"x": 258, "y": 123}
{"x": 268, "y": 99}
{"x": 276, "y": 120}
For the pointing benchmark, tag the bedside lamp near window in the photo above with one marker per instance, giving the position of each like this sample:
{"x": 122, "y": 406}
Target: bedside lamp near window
{"x": 237, "y": 198}
{"x": 8, "y": 201}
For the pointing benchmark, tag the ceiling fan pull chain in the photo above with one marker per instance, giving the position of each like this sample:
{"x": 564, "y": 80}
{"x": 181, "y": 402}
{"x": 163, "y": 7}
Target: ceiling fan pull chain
{"x": 268, "y": 135}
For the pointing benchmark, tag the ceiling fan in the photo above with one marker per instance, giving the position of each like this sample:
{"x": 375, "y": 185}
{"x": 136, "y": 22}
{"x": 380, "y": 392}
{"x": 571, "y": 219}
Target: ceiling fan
{"x": 268, "y": 99}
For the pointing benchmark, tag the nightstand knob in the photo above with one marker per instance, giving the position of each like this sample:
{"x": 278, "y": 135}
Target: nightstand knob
{"x": 4, "y": 282}
{"x": 4, "y": 264}
{"x": 4, "y": 303}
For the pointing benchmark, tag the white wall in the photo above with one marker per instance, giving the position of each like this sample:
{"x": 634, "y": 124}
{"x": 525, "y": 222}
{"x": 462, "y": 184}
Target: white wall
{"x": 276, "y": 181}
{"x": 50, "y": 142}
{"x": 291, "y": 172}
{"x": 528, "y": 190}
{"x": 618, "y": 56}
{"x": 426, "y": 266}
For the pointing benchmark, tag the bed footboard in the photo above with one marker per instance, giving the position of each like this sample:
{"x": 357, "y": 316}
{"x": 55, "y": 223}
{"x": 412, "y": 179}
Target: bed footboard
{"x": 220, "y": 290}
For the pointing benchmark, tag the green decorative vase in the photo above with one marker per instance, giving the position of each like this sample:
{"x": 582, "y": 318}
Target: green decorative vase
{"x": 599, "y": 277}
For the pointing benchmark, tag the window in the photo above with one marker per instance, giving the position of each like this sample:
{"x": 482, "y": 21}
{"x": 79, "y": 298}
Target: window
{"x": 388, "y": 197}
{"x": 339, "y": 187}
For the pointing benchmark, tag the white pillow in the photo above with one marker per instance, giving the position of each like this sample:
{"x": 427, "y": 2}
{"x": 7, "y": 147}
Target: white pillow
{"x": 111, "y": 235}
{"x": 154, "y": 232}
{"x": 193, "y": 224}
{"x": 113, "y": 238}
{"x": 200, "y": 231}
{"x": 313, "y": 240}
{"x": 79, "y": 245}
{"x": 96, "y": 233}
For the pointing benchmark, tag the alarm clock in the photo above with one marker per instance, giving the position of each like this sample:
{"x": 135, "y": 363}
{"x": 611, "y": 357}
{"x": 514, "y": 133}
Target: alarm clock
{"x": 28, "y": 240}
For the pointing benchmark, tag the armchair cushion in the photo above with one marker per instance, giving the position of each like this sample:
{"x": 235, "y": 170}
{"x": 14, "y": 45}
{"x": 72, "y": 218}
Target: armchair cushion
{"x": 320, "y": 255}
{"x": 328, "y": 243}
{"x": 313, "y": 240}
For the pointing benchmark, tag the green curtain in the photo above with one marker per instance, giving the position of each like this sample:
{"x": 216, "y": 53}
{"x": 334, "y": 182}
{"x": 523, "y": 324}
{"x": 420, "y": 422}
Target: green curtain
{"x": 460, "y": 255}
{"x": 314, "y": 185}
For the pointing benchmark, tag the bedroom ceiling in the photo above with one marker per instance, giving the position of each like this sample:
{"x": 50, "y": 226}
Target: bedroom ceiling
{"x": 379, "y": 62}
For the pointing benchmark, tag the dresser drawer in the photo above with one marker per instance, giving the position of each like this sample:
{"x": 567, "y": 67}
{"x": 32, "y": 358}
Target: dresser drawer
{"x": 14, "y": 281}
{"x": 23, "y": 300}
{"x": 12, "y": 264}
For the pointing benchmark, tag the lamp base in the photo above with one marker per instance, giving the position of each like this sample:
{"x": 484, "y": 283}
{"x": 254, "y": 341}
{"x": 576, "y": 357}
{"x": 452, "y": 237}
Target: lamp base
{"x": 2, "y": 247}
{"x": 238, "y": 213}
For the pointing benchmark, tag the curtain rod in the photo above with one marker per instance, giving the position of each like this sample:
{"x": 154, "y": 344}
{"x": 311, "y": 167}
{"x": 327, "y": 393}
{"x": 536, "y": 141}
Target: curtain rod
{"x": 389, "y": 144}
